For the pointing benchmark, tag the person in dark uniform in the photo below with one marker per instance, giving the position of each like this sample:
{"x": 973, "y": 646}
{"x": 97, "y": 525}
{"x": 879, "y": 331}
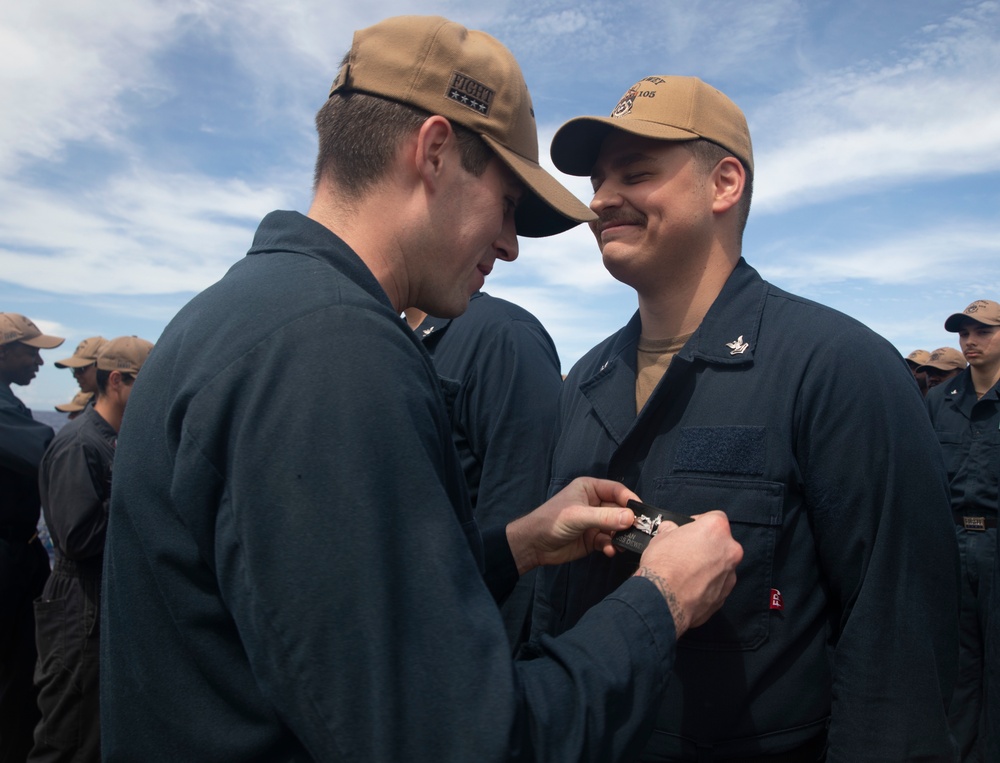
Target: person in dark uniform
{"x": 504, "y": 411}
{"x": 75, "y": 484}
{"x": 915, "y": 360}
{"x": 83, "y": 362}
{"x": 965, "y": 412}
{"x": 76, "y": 406}
{"x": 24, "y": 563}
{"x": 945, "y": 363}
{"x": 799, "y": 422}
{"x": 292, "y": 569}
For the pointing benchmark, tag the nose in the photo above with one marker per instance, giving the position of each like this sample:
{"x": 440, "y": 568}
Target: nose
{"x": 506, "y": 244}
{"x": 605, "y": 197}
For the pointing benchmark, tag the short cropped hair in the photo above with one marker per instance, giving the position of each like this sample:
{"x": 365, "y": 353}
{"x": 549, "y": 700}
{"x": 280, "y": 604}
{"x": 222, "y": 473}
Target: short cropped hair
{"x": 103, "y": 376}
{"x": 708, "y": 155}
{"x": 359, "y": 135}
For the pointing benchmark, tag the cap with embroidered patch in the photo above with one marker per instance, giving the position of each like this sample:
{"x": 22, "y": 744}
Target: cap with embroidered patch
{"x": 469, "y": 77}
{"x": 85, "y": 353}
{"x": 984, "y": 311}
{"x": 14, "y": 327}
{"x": 77, "y": 404}
{"x": 918, "y": 358}
{"x": 125, "y": 354}
{"x": 945, "y": 359}
{"x": 662, "y": 107}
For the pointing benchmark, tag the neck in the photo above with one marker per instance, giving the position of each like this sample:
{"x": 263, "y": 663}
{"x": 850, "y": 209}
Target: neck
{"x": 678, "y": 304}
{"x": 361, "y": 224}
{"x": 414, "y": 317}
{"x": 109, "y": 411}
{"x": 983, "y": 379}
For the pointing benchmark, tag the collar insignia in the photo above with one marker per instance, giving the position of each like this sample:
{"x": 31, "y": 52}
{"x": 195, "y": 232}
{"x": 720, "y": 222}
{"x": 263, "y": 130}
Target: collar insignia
{"x": 428, "y": 331}
{"x": 737, "y": 347}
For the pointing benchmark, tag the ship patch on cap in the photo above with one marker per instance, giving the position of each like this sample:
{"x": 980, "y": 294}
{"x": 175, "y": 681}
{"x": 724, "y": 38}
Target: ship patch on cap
{"x": 624, "y": 107}
{"x": 475, "y": 95}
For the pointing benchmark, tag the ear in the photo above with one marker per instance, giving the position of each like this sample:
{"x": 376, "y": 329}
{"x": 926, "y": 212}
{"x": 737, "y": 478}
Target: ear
{"x": 115, "y": 381}
{"x": 728, "y": 179}
{"x": 435, "y": 139}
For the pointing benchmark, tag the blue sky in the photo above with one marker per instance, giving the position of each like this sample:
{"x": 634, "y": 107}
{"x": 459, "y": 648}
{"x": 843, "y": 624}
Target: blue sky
{"x": 141, "y": 142}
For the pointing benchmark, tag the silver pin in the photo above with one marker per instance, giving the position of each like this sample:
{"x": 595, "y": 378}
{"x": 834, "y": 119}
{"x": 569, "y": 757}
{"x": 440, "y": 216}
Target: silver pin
{"x": 738, "y": 347}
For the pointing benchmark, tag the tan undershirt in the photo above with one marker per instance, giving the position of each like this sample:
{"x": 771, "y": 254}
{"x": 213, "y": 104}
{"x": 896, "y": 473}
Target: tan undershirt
{"x": 652, "y": 358}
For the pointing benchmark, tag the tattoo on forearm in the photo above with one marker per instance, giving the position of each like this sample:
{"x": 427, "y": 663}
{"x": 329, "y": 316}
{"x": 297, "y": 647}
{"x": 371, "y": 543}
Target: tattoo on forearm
{"x": 680, "y": 619}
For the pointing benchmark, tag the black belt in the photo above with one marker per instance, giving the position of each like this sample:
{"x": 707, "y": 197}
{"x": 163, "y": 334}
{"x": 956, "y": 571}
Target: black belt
{"x": 977, "y": 524}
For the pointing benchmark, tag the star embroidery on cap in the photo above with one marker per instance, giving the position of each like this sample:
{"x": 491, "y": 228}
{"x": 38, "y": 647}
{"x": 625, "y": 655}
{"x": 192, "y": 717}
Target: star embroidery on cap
{"x": 737, "y": 347}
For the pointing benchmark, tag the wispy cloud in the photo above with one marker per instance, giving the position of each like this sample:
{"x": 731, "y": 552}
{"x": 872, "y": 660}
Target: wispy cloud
{"x": 933, "y": 113}
{"x": 938, "y": 254}
{"x": 141, "y": 233}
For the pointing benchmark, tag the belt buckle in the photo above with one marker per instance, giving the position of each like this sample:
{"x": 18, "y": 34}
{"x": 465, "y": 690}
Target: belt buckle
{"x": 974, "y": 523}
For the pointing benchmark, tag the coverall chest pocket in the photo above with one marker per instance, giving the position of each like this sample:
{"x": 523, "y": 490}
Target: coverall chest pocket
{"x": 953, "y": 451}
{"x": 754, "y": 508}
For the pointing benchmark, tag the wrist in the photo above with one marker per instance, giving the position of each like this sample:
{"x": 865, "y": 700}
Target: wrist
{"x": 521, "y": 548}
{"x": 676, "y": 610}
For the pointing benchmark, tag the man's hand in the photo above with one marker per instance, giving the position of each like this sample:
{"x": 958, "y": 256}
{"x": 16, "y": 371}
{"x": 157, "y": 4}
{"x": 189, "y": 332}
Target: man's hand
{"x": 577, "y": 520}
{"x": 694, "y": 567}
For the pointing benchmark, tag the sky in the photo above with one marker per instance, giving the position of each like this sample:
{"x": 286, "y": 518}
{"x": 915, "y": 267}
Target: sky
{"x": 141, "y": 141}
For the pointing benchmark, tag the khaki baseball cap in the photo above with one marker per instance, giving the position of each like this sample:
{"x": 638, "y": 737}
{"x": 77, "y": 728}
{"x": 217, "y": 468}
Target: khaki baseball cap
{"x": 945, "y": 359}
{"x": 918, "y": 357}
{"x": 125, "y": 354}
{"x": 984, "y": 311}
{"x": 663, "y": 107}
{"x": 85, "y": 353}
{"x": 472, "y": 79}
{"x": 14, "y": 327}
{"x": 78, "y": 403}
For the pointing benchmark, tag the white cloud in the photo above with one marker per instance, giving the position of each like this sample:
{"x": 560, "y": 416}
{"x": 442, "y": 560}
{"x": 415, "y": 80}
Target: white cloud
{"x": 142, "y": 233}
{"x": 939, "y": 255}
{"x": 65, "y": 65}
{"x": 934, "y": 114}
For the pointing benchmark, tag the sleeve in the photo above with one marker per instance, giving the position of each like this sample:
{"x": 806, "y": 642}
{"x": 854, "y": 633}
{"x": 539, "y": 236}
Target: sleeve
{"x": 341, "y": 556}
{"x": 508, "y": 412}
{"x": 74, "y": 499}
{"x": 877, "y": 493}
{"x": 22, "y": 440}
{"x": 509, "y": 408}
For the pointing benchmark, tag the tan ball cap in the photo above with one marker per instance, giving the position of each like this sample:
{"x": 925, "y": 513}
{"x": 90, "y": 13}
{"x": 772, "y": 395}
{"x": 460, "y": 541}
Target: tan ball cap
{"x": 125, "y": 354}
{"x": 472, "y": 79}
{"x": 945, "y": 359}
{"x": 85, "y": 353}
{"x": 662, "y": 107}
{"x": 78, "y": 403}
{"x": 14, "y": 327}
{"x": 983, "y": 311}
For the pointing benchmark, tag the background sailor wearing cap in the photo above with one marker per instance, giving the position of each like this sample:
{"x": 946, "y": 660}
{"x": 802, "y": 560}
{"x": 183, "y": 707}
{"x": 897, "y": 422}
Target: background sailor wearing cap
{"x": 294, "y": 572}
{"x": 965, "y": 412}
{"x": 944, "y": 363}
{"x": 914, "y": 360}
{"x": 83, "y": 361}
{"x": 75, "y": 484}
{"x": 24, "y": 563}
{"x": 77, "y": 405}
{"x": 801, "y": 424}
{"x": 503, "y": 368}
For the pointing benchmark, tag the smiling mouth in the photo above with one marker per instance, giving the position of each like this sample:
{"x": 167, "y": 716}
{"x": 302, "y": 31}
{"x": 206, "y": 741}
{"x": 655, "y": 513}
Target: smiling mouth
{"x": 601, "y": 226}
